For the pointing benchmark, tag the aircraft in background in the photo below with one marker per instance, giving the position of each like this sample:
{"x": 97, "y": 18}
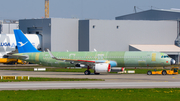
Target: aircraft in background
{"x": 100, "y": 62}
{"x": 8, "y": 45}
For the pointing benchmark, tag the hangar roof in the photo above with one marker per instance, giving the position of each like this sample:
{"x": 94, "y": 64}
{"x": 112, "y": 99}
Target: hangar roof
{"x": 160, "y": 48}
{"x": 152, "y": 14}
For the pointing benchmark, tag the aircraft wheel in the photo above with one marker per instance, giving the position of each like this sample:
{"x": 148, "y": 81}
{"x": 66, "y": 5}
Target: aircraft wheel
{"x": 87, "y": 72}
{"x": 164, "y": 72}
{"x": 149, "y": 73}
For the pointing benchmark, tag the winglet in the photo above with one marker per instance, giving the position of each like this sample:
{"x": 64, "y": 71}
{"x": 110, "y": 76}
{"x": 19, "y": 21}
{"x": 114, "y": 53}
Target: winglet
{"x": 52, "y": 56}
{"x": 23, "y": 44}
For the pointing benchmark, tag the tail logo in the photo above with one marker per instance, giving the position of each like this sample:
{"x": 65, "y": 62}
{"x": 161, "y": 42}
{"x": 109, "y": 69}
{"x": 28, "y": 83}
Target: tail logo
{"x": 22, "y": 44}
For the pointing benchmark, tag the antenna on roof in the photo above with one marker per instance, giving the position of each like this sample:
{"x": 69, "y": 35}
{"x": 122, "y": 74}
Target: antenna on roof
{"x": 135, "y": 9}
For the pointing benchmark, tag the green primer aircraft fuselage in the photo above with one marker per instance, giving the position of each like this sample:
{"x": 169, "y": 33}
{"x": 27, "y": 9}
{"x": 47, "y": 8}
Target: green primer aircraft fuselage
{"x": 98, "y": 61}
{"x": 123, "y": 59}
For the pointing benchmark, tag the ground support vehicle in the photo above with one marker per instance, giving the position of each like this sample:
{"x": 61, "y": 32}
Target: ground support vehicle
{"x": 172, "y": 71}
{"x": 11, "y": 61}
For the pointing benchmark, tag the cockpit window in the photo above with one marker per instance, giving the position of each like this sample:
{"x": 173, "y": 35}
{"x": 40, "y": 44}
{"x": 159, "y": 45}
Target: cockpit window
{"x": 165, "y": 56}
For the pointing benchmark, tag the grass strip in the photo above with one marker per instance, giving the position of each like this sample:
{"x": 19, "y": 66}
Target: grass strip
{"x": 137, "y": 71}
{"x": 53, "y": 70}
{"x": 53, "y": 79}
{"x": 156, "y": 94}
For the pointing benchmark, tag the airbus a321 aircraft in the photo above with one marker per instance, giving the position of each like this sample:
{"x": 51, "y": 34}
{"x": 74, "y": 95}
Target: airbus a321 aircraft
{"x": 98, "y": 61}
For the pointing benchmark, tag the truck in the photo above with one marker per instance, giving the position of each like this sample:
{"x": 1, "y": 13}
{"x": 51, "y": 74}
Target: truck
{"x": 11, "y": 61}
{"x": 172, "y": 71}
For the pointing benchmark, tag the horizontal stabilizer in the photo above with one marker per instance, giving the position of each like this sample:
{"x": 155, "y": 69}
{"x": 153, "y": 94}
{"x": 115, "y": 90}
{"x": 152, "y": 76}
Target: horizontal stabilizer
{"x": 16, "y": 56}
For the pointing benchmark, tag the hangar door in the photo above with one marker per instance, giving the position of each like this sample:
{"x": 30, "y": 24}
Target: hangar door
{"x": 34, "y": 30}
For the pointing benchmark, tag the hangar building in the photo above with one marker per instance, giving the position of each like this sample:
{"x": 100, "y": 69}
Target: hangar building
{"x": 152, "y": 14}
{"x": 107, "y": 35}
{"x": 57, "y": 34}
{"x": 117, "y": 35}
{"x": 157, "y": 15}
{"x": 7, "y": 26}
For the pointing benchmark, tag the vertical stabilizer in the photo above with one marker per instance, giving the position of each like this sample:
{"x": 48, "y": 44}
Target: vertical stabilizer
{"x": 23, "y": 44}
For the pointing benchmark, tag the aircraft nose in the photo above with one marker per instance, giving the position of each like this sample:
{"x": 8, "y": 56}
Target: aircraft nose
{"x": 173, "y": 61}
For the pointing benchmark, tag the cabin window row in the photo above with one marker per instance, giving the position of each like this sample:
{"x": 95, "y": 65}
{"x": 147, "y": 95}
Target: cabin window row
{"x": 100, "y": 57}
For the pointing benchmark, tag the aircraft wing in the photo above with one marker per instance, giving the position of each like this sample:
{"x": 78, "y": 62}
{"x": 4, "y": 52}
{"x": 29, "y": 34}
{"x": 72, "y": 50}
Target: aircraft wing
{"x": 73, "y": 60}
{"x": 13, "y": 55}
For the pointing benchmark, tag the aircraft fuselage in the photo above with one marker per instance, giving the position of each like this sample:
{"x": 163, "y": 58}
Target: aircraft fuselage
{"x": 118, "y": 59}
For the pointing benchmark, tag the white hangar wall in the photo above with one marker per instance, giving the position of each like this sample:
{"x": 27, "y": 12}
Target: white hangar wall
{"x": 117, "y": 35}
{"x": 64, "y": 34}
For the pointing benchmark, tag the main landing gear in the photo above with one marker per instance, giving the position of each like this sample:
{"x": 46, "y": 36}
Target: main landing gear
{"x": 87, "y": 72}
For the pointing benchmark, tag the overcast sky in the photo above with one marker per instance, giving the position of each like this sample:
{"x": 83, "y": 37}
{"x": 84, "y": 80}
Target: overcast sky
{"x": 82, "y": 9}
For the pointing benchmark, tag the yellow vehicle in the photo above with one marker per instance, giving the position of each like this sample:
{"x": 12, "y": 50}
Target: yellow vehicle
{"x": 21, "y": 62}
{"x": 11, "y": 61}
{"x": 172, "y": 71}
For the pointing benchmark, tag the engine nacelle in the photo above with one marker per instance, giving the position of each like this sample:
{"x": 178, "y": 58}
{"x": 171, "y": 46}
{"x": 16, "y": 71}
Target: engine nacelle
{"x": 102, "y": 67}
{"x": 106, "y": 67}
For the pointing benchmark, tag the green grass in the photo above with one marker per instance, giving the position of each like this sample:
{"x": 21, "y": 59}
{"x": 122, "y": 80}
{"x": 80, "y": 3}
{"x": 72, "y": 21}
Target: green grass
{"x": 53, "y": 79}
{"x": 53, "y": 69}
{"x": 137, "y": 71}
{"x": 157, "y": 94}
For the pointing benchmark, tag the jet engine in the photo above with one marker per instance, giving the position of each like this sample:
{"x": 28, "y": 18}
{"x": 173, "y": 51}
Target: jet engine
{"x": 102, "y": 67}
{"x": 106, "y": 67}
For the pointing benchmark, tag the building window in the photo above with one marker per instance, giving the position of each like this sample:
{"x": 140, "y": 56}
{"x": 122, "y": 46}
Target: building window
{"x": 93, "y": 26}
{"x": 117, "y": 27}
{"x": 37, "y": 32}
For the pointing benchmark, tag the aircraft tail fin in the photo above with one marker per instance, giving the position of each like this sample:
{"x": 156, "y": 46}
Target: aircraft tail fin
{"x": 23, "y": 44}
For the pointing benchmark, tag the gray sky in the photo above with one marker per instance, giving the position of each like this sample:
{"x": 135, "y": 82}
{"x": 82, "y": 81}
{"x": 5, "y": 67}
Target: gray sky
{"x": 82, "y": 9}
